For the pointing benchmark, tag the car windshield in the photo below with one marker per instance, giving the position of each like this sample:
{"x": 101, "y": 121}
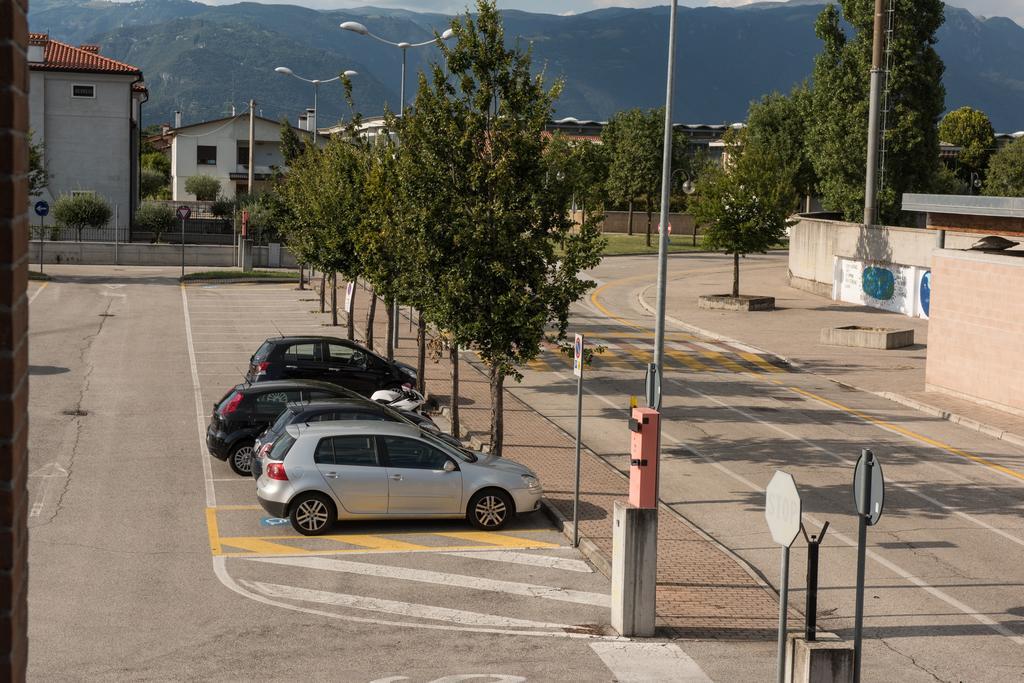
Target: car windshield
{"x": 462, "y": 453}
{"x": 227, "y": 397}
{"x": 263, "y": 351}
{"x": 281, "y": 447}
{"x": 281, "y": 422}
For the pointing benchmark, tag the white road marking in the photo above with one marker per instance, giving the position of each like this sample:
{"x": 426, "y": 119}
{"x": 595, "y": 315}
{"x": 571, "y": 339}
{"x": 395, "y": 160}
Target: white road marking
{"x": 405, "y": 609}
{"x": 528, "y": 559}
{"x": 197, "y": 393}
{"x": 710, "y": 347}
{"x": 440, "y": 578}
{"x": 649, "y": 663}
{"x": 37, "y": 292}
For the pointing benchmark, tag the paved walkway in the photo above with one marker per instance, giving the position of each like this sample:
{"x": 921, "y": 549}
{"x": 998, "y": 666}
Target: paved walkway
{"x": 792, "y": 333}
{"x": 703, "y": 590}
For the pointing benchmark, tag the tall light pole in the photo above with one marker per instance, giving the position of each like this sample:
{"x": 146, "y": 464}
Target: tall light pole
{"x": 356, "y": 27}
{"x": 316, "y": 88}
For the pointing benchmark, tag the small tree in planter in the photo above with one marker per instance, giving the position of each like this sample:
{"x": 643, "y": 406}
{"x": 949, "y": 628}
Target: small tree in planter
{"x": 81, "y": 211}
{"x": 154, "y": 218}
{"x": 204, "y": 187}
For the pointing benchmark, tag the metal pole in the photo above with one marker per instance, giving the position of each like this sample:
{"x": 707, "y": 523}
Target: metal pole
{"x": 316, "y": 93}
{"x": 401, "y": 112}
{"x": 252, "y": 142}
{"x": 183, "y": 247}
{"x": 576, "y": 490}
{"x": 870, "y": 187}
{"x": 780, "y": 666}
{"x": 862, "y": 538}
{"x": 41, "y": 244}
{"x": 116, "y": 221}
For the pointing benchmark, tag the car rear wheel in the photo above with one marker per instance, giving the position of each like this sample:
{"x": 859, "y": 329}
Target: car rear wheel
{"x": 490, "y": 509}
{"x": 241, "y": 459}
{"x": 312, "y": 514}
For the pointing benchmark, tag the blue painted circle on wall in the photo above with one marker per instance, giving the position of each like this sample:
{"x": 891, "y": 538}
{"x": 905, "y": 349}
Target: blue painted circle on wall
{"x": 926, "y": 293}
{"x": 878, "y": 283}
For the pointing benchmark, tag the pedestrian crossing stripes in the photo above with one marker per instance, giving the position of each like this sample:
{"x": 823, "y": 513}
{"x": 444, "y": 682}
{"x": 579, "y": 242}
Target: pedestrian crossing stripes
{"x": 623, "y": 351}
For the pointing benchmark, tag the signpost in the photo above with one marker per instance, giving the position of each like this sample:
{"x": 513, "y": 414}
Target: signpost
{"x": 183, "y": 213}
{"x": 782, "y": 511}
{"x": 577, "y": 369}
{"x": 350, "y": 291}
{"x": 42, "y": 208}
{"x": 868, "y": 495}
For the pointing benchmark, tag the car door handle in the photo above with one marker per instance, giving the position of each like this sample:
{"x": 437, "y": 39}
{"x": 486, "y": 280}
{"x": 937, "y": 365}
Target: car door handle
{"x": 396, "y": 477}
{"x": 334, "y": 369}
{"x": 292, "y": 367}
{"x": 331, "y": 475}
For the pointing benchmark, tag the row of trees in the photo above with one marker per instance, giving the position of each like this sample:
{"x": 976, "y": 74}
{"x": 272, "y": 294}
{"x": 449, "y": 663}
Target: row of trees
{"x": 459, "y": 209}
{"x": 980, "y": 163}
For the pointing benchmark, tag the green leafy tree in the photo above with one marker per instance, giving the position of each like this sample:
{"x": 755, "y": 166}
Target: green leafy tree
{"x": 159, "y": 162}
{"x": 38, "y": 177}
{"x": 634, "y": 142}
{"x": 1006, "y": 171}
{"x": 837, "y": 130}
{"x": 151, "y": 183}
{"x": 971, "y": 131}
{"x": 154, "y": 218}
{"x": 81, "y": 211}
{"x": 472, "y": 166}
{"x": 776, "y": 134}
{"x": 205, "y": 188}
{"x": 292, "y": 146}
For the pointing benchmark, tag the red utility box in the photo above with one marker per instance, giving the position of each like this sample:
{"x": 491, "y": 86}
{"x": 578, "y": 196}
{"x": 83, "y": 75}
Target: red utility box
{"x": 643, "y": 457}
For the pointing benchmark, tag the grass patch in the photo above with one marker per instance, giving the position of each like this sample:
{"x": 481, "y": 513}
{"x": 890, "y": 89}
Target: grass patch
{"x": 620, "y": 244}
{"x": 284, "y": 276}
{"x": 36, "y": 275}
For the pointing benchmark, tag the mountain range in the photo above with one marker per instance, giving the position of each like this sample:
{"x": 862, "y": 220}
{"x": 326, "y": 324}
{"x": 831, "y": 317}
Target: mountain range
{"x": 203, "y": 59}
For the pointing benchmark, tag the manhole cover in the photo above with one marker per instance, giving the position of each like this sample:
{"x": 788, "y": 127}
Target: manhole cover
{"x": 75, "y": 412}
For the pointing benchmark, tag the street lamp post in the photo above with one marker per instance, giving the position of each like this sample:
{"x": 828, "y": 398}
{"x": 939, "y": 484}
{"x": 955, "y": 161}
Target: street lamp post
{"x": 316, "y": 89}
{"x": 356, "y": 27}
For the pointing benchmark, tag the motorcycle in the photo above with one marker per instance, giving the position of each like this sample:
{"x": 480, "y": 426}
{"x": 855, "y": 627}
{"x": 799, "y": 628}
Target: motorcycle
{"x": 405, "y": 398}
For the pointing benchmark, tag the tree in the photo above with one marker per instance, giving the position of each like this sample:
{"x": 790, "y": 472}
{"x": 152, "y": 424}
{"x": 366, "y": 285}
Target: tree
{"x": 971, "y": 131}
{"x": 472, "y": 167}
{"x": 838, "y": 121}
{"x": 151, "y": 182}
{"x": 634, "y": 142}
{"x": 292, "y": 146}
{"x": 38, "y": 177}
{"x": 776, "y": 133}
{"x": 154, "y": 218}
{"x": 1006, "y": 171}
{"x": 81, "y": 211}
{"x": 204, "y": 187}
{"x": 159, "y": 162}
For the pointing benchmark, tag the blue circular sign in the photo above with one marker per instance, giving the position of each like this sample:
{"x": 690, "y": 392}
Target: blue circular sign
{"x": 42, "y": 208}
{"x": 926, "y": 293}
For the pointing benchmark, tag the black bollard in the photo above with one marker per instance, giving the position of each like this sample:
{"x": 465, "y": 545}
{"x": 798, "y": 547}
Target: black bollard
{"x": 811, "y": 618}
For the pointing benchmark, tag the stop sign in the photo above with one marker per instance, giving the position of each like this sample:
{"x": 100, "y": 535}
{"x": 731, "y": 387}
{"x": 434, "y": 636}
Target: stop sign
{"x": 782, "y": 508}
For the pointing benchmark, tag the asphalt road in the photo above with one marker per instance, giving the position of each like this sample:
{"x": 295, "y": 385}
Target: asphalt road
{"x": 946, "y": 563}
{"x": 150, "y": 561}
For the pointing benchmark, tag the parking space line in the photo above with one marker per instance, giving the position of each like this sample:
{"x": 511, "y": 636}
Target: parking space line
{"x": 239, "y": 507}
{"x": 649, "y": 663}
{"x": 36, "y": 293}
{"x": 511, "y": 557}
{"x": 441, "y": 578}
{"x": 212, "y": 531}
{"x": 257, "y": 545}
{"x": 496, "y": 539}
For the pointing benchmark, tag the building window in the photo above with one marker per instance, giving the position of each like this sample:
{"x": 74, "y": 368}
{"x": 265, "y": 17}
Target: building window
{"x": 243, "y": 156}
{"x": 81, "y": 90}
{"x": 206, "y": 155}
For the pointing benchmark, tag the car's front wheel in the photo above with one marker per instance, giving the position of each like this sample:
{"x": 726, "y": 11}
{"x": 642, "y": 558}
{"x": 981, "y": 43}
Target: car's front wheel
{"x": 490, "y": 509}
{"x": 240, "y": 459}
{"x": 312, "y": 514}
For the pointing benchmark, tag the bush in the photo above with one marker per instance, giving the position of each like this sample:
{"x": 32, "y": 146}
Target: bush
{"x": 223, "y": 208}
{"x": 81, "y": 211}
{"x": 151, "y": 182}
{"x": 159, "y": 162}
{"x": 154, "y": 218}
{"x": 204, "y": 187}
{"x": 1006, "y": 171}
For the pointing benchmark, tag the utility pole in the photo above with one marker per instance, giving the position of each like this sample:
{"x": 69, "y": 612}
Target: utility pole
{"x": 252, "y": 141}
{"x": 874, "y": 103}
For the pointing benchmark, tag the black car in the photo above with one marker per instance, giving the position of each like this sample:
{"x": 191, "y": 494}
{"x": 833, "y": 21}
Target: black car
{"x": 327, "y": 359}
{"x": 248, "y": 409}
{"x": 330, "y": 410}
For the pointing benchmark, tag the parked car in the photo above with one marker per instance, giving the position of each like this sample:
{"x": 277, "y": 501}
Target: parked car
{"x": 317, "y": 474}
{"x": 247, "y": 409}
{"x": 327, "y": 359}
{"x": 339, "y": 409}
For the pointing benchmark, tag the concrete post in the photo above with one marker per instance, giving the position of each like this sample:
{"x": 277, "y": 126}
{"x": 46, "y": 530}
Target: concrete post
{"x": 246, "y": 254}
{"x": 826, "y": 660}
{"x": 634, "y": 569}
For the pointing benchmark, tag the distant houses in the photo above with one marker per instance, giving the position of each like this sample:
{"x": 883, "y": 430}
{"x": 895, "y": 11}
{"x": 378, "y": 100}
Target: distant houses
{"x": 85, "y": 109}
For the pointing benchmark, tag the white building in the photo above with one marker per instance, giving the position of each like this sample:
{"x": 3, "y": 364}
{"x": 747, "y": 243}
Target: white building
{"x": 220, "y": 148}
{"x": 85, "y": 109}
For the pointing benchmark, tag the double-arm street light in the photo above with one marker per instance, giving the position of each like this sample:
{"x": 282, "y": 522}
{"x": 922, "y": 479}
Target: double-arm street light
{"x": 356, "y": 27}
{"x": 316, "y": 88}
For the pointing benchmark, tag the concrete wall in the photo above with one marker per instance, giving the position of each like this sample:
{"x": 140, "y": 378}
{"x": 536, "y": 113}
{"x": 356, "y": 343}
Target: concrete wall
{"x": 137, "y": 254}
{"x": 977, "y": 327}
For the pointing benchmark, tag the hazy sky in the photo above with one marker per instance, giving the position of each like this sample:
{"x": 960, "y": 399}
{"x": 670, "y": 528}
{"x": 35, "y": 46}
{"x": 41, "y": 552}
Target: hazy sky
{"x": 990, "y": 8}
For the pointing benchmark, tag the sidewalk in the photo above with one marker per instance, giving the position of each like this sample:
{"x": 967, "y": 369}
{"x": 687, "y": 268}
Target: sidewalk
{"x": 703, "y": 590}
{"x": 792, "y": 333}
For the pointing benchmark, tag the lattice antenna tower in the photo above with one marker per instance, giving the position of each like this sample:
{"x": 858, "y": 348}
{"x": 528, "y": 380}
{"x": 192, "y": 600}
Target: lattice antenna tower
{"x": 883, "y": 138}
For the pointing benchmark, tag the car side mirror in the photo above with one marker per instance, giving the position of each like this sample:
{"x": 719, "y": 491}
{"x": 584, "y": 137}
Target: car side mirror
{"x": 449, "y": 466}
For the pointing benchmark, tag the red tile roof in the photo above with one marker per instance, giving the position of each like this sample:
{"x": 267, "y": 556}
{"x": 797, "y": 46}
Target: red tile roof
{"x": 59, "y": 56}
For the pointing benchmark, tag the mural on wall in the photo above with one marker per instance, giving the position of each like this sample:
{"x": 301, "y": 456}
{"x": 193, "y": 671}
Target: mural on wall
{"x": 888, "y": 286}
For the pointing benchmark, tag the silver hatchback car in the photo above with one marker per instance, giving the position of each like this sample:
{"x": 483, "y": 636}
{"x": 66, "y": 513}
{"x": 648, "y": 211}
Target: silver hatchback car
{"x": 321, "y": 472}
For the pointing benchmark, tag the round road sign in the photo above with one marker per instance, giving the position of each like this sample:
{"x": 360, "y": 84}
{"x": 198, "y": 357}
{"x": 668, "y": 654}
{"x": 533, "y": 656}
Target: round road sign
{"x": 877, "y": 494}
{"x": 782, "y": 508}
{"x": 42, "y": 208}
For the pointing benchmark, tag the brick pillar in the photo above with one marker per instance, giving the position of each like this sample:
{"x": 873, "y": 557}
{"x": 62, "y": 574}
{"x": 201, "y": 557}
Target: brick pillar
{"x": 13, "y": 339}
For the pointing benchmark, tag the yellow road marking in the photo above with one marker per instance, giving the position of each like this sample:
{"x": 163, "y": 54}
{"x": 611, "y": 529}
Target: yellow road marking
{"x": 255, "y": 544}
{"x": 500, "y": 540}
{"x": 687, "y": 360}
{"x": 724, "y": 361}
{"x": 758, "y": 361}
{"x": 539, "y": 365}
{"x": 211, "y": 530}
{"x": 375, "y": 542}
{"x": 237, "y": 507}
{"x": 912, "y": 435}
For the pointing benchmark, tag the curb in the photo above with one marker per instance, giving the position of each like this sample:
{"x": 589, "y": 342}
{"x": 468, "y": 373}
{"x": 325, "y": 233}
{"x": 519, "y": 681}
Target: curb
{"x": 240, "y": 280}
{"x": 928, "y": 409}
